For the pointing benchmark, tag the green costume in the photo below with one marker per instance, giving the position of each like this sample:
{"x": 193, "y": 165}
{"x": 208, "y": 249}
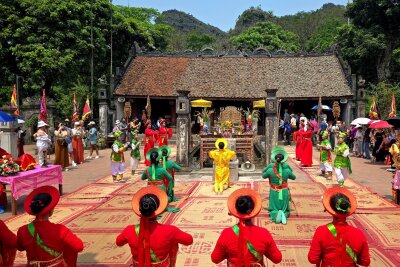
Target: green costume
{"x": 341, "y": 161}
{"x": 278, "y": 174}
{"x": 171, "y": 167}
{"x": 325, "y": 155}
{"x": 117, "y": 156}
{"x": 135, "y": 153}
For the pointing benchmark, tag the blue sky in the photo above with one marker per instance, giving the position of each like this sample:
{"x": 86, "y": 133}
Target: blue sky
{"x": 223, "y": 14}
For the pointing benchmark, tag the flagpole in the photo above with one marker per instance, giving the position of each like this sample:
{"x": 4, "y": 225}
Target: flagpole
{"x": 18, "y": 87}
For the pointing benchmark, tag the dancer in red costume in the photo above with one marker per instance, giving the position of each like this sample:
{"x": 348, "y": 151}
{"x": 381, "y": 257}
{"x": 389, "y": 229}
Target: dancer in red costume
{"x": 164, "y": 134}
{"x": 152, "y": 244}
{"x": 306, "y": 145}
{"x": 245, "y": 244}
{"x": 338, "y": 244}
{"x": 46, "y": 243}
{"x": 8, "y": 244}
{"x": 149, "y": 139}
{"x": 298, "y": 138}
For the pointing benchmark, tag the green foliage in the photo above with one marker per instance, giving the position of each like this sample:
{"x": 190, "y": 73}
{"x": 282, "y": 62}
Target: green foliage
{"x": 5, "y": 95}
{"x": 324, "y": 37}
{"x": 307, "y": 24}
{"x": 250, "y": 18}
{"x": 383, "y": 97}
{"x": 379, "y": 18}
{"x": 268, "y": 35}
{"x": 198, "y": 41}
{"x": 360, "y": 48}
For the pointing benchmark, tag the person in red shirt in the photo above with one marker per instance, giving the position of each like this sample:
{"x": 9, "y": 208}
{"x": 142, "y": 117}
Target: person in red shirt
{"x": 8, "y": 244}
{"x": 149, "y": 139}
{"x": 164, "y": 134}
{"x": 306, "y": 145}
{"x": 46, "y": 243}
{"x": 245, "y": 244}
{"x": 338, "y": 244}
{"x": 298, "y": 138}
{"x": 152, "y": 244}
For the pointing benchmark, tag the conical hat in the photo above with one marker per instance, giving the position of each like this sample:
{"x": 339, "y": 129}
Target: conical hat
{"x": 255, "y": 196}
{"x": 329, "y": 193}
{"x": 279, "y": 150}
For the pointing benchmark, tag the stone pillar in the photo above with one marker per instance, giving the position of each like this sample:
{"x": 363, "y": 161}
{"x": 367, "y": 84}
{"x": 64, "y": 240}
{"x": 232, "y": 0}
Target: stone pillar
{"x": 361, "y": 98}
{"x": 8, "y": 139}
{"x": 103, "y": 109}
{"x": 183, "y": 128}
{"x": 119, "y": 107}
{"x": 271, "y": 123}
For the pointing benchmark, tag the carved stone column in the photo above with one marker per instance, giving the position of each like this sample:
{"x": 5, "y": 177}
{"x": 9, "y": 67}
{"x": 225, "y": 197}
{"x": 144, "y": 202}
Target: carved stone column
{"x": 103, "y": 109}
{"x": 183, "y": 128}
{"x": 271, "y": 123}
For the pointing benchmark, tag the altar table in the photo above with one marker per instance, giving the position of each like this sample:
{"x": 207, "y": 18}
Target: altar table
{"x": 24, "y": 182}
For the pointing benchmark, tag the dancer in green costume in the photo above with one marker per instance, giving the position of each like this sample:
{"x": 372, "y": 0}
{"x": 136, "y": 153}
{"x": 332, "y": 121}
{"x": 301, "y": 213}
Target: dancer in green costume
{"x": 325, "y": 157}
{"x": 157, "y": 175}
{"x": 171, "y": 167}
{"x": 342, "y": 162}
{"x": 278, "y": 173}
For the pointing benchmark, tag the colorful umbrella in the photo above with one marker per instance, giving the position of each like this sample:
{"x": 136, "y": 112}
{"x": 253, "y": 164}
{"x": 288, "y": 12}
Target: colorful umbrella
{"x": 362, "y": 121}
{"x": 4, "y": 117}
{"x": 380, "y": 125}
{"x": 201, "y": 103}
{"x": 324, "y": 107}
{"x": 259, "y": 103}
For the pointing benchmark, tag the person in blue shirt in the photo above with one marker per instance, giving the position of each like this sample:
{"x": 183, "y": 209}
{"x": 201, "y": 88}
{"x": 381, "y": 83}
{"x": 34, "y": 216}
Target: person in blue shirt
{"x": 93, "y": 140}
{"x": 287, "y": 132}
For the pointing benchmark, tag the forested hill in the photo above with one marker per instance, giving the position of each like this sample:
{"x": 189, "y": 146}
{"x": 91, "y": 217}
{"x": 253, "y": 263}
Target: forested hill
{"x": 186, "y": 23}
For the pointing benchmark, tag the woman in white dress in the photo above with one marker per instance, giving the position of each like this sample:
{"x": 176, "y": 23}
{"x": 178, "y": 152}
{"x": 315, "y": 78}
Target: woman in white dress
{"x": 43, "y": 142}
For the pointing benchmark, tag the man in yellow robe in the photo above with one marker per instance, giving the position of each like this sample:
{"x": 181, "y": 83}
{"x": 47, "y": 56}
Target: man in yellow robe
{"x": 221, "y": 157}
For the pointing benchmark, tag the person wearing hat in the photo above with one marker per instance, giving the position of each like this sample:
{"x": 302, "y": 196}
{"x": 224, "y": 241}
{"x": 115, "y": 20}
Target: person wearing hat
{"x": 46, "y": 243}
{"x": 149, "y": 139}
{"x": 61, "y": 146}
{"x": 164, "y": 134}
{"x": 93, "y": 140}
{"x": 135, "y": 152}
{"x": 117, "y": 158}
{"x": 339, "y": 244}
{"x": 43, "y": 142}
{"x": 8, "y": 243}
{"x": 325, "y": 157}
{"x": 307, "y": 146}
{"x": 77, "y": 143}
{"x": 152, "y": 244}
{"x": 245, "y": 244}
{"x": 156, "y": 175}
{"x": 342, "y": 162}
{"x": 221, "y": 156}
{"x": 278, "y": 172}
{"x": 170, "y": 166}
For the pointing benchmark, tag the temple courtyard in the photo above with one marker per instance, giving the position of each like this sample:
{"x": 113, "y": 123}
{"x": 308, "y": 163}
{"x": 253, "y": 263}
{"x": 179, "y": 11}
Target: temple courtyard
{"x": 96, "y": 209}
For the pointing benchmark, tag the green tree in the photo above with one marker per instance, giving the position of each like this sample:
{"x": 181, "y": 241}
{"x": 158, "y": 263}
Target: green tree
{"x": 379, "y": 16}
{"x": 250, "y": 17}
{"x": 268, "y": 35}
{"x": 360, "y": 48}
{"x": 323, "y": 39}
{"x": 198, "y": 41}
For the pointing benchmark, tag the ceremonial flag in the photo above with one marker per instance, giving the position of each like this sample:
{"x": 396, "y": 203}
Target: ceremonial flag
{"x": 392, "y": 112}
{"x": 13, "y": 102}
{"x": 43, "y": 108}
{"x": 75, "y": 116}
{"x": 373, "y": 111}
{"x": 86, "y": 109}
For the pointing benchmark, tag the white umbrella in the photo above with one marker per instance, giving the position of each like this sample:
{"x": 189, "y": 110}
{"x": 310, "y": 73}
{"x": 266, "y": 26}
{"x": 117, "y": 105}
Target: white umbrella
{"x": 362, "y": 121}
{"x": 20, "y": 121}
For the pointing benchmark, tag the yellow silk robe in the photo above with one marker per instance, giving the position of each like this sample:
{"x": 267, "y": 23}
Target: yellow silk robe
{"x": 221, "y": 159}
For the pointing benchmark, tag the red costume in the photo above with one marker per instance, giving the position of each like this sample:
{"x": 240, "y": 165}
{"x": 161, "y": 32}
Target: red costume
{"x": 338, "y": 244}
{"x": 227, "y": 246}
{"x": 325, "y": 247}
{"x": 152, "y": 244}
{"x": 298, "y": 137}
{"x": 164, "y": 134}
{"x": 245, "y": 244}
{"x": 78, "y": 149}
{"x": 46, "y": 243}
{"x": 150, "y": 137}
{"x": 306, "y": 147}
{"x": 8, "y": 245}
{"x": 55, "y": 236}
{"x": 167, "y": 239}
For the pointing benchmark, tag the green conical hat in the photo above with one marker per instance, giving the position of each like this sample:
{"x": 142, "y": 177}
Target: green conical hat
{"x": 151, "y": 151}
{"x": 166, "y": 148}
{"x": 117, "y": 134}
{"x": 279, "y": 150}
{"x": 325, "y": 133}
